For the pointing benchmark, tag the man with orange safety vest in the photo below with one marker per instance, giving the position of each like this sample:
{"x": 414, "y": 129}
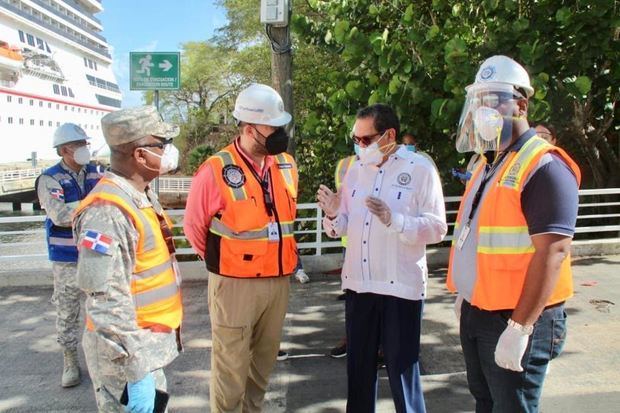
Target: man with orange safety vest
{"x": 239, "y": 219}
{"x": 127, "y": 265}
{"x": 510, "y": 260}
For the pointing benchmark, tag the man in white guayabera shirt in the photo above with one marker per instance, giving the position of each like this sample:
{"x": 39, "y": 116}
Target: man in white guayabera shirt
{"x": 390, "y": 206}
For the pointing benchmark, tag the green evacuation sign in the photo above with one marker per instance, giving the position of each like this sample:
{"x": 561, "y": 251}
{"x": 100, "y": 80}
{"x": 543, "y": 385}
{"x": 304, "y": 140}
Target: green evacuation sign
{"x": 154, "y": 70}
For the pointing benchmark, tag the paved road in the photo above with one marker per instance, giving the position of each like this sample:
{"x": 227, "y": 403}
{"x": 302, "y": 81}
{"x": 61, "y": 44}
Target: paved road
{"x": 586, "y": 378}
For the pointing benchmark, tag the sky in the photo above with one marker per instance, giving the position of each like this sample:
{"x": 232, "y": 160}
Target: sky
{"x": 153, "y": 25}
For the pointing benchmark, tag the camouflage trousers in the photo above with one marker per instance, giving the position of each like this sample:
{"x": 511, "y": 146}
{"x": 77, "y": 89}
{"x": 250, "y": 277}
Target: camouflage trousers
{"x": 66, "y": 298}
{"x": 108, "y": 378}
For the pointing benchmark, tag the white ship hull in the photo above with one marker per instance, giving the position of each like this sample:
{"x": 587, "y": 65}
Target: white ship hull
{"x": 65, "y": 75}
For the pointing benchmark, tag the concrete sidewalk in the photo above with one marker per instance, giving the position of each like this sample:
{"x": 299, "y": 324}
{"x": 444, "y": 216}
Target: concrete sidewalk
{"x": 585, "y": 378}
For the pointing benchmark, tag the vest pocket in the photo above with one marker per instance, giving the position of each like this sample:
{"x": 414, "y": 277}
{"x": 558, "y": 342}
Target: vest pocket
{"x": 247, "y": 214}
{"x": 244, "y": 258}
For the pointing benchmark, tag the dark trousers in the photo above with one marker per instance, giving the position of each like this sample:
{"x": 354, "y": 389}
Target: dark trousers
{"x": 498, "y": 390}
{"x": 392, "y": 323}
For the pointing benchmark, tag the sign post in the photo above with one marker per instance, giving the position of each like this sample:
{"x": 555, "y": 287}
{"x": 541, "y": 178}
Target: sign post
{"x": 154, "y": 71}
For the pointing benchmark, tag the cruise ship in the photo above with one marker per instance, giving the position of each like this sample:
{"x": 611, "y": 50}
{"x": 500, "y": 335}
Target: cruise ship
{"x": 55, "y": 67}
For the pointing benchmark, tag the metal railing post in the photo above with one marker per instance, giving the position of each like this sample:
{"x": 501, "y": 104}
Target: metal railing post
{"x": 319, "y": 230}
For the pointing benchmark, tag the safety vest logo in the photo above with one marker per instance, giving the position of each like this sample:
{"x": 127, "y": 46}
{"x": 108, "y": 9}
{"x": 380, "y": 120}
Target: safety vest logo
{"x": 510, "y": 179}
{"x": 284, "y": 166}
{"x": 233, "y": 176}
{"x": 404, "y": 179}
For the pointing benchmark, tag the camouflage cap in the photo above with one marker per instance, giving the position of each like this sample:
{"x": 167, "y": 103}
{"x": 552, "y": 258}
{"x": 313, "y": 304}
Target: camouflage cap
{"x": 128, "y": 125}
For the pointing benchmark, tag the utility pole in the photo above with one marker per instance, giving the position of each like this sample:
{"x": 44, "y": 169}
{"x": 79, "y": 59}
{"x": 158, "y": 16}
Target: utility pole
{"x": 276, "y": 15}
{"x": 282, "y": 78}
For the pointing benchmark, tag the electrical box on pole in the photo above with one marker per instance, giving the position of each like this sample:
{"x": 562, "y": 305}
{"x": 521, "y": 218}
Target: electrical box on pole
{"x": 274, "y": 12}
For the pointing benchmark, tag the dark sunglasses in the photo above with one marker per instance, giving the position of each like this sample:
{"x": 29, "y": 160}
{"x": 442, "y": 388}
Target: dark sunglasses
{"x": 366, "y": 140}
{"x": 160, "y": 145}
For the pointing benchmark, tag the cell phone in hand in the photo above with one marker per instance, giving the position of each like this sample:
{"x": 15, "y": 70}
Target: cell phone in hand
{"x": 161, "y": 400}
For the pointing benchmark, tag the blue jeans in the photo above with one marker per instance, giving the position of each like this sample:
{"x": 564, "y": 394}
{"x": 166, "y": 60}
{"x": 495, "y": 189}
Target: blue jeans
{"x": 498, "y": 390}
{"x": 392, "y": 323}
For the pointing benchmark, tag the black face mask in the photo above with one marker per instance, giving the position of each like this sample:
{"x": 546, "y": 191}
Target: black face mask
{"x": 276, "y": 142}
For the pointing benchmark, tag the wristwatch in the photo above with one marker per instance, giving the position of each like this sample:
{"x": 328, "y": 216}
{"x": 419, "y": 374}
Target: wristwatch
{"x": 526, "y": 330}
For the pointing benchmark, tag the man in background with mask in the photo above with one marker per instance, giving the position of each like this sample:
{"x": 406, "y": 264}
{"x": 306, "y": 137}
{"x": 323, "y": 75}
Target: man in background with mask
{"x": 239, "y": 218}
{"x": 60, "y": 189}
{"x": 127, "y": 266}
{"x": 390, "y": 206}
{"x": 510, "y": 260}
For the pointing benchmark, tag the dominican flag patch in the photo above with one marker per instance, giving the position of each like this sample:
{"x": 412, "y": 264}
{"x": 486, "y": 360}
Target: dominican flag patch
{"x": 96, "y": 241}
{"x": 57, "y": 193}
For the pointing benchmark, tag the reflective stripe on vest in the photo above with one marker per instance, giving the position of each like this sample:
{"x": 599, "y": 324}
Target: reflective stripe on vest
{"x": 238, "y": 194}
{"x": 504, "y": 240}
{"x": 516, "y": 167}
{"x": 154, "y": 282}
{"x": 219, "y": 228}
{"x": 287, "y": 173}
{"x": 61, "y": 241}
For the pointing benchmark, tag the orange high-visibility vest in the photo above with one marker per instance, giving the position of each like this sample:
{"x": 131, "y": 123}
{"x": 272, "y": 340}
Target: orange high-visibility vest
{"x": 239, "y": 243}
{"x": 504, "y": 246}
{"x": 154, "y": 281}
{"x": 343, "y": 166}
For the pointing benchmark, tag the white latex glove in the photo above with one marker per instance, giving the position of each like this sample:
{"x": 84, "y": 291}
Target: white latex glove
{"x": 380, "y": 209}
{"x": 328, "y": 201}
{"x": 458, "y": 303}
{"x": 510, "y": 349}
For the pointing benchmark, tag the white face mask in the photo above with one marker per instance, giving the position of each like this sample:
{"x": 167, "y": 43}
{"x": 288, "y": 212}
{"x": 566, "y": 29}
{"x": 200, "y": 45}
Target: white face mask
{"x": 169, "y": 159}
{"x": 81, "y": 155}
{"x": 488, "y": 123}
{"x": 372, "y": 154}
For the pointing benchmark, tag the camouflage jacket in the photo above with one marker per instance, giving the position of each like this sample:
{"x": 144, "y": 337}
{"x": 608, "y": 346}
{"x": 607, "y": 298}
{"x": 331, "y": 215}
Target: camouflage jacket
{"x": 106, "y": 280}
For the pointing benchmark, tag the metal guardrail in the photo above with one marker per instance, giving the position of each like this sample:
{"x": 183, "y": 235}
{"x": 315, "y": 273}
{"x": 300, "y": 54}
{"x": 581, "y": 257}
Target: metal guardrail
{"x": 19, "y": 174}
{"x": 174, "y": 185}
{"x": 596, "y": 216}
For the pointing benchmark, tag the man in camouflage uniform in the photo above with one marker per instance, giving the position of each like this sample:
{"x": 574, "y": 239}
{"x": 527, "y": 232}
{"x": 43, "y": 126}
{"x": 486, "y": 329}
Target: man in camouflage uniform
{"x": 127, "y": 267}
{"x": 60, "y": 188}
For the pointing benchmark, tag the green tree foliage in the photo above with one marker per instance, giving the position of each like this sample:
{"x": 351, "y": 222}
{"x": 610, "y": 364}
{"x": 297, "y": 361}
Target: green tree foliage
{"x": 197, "y": 156}
{"x": 418, "y": 57}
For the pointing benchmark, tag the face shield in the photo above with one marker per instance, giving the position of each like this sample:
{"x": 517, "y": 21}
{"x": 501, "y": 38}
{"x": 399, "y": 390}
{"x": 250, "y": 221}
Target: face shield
{"x": 487, "y": 117}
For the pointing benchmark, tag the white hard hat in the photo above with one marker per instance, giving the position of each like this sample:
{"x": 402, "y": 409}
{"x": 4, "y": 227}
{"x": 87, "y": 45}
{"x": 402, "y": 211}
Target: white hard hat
{"x": 68, "y": 132}
{"x": 503, "y": 70}
{"x": 262, "y": 105}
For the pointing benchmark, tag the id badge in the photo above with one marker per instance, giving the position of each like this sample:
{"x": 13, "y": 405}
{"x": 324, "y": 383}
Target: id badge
{"x": 463, "y": 236}
{"x": 274, "y": 233}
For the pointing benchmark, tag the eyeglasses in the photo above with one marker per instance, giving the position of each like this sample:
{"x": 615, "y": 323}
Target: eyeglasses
{"x": 160, "y": 145}
{"x": 365, "y": 140}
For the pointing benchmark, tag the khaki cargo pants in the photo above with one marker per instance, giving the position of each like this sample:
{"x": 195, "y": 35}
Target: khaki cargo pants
{"x": 246, "y": 321}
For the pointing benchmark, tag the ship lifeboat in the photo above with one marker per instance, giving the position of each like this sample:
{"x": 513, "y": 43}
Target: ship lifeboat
{"x": 10, "y": 57}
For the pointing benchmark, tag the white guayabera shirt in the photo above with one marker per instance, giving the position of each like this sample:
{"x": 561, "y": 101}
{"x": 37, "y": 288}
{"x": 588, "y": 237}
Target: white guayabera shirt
{"x": 390, "y": 260}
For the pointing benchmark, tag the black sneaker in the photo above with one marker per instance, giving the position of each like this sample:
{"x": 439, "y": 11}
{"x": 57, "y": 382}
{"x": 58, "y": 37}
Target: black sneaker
{"x": 339, "y": 351}
{"x": 282, "y": 355}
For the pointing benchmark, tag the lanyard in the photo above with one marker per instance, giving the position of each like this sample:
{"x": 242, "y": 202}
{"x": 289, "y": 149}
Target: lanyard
{"x": 264, "y": 185}
{"x": 489, "y": 171}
